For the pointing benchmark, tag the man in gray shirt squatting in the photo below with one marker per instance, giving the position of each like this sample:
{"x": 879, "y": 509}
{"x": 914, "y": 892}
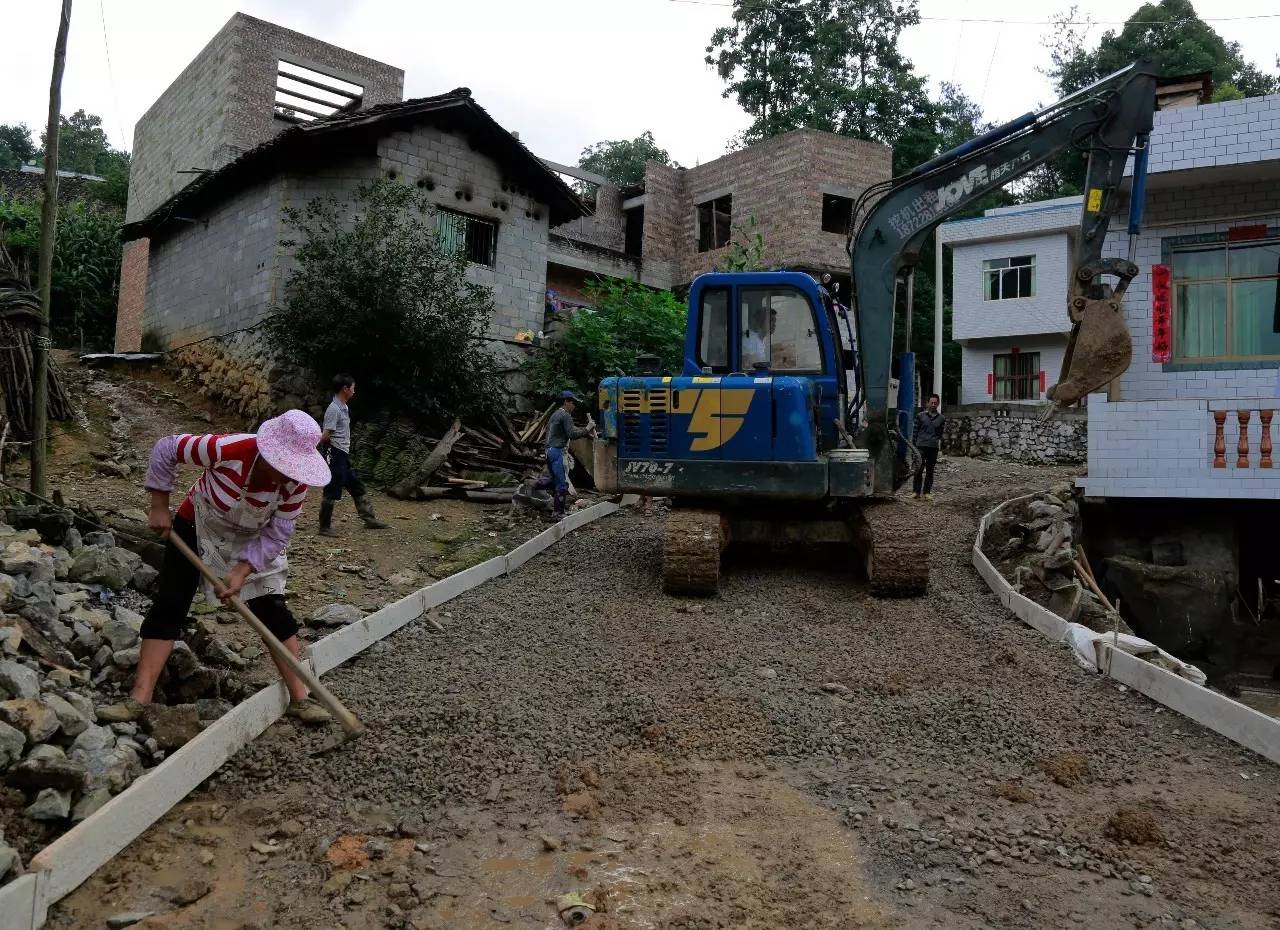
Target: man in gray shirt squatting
{"x": 337, "y": 438}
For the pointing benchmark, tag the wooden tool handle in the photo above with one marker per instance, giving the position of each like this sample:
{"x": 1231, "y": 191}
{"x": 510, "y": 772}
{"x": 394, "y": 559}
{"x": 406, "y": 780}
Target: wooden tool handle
{"x": 350, "y": 723}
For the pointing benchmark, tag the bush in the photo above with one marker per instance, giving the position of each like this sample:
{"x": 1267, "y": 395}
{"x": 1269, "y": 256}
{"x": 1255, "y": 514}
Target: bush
{"x": 86, "y": 266}
{"x": 374, "y": 293}
{"x": 627, "y": 320}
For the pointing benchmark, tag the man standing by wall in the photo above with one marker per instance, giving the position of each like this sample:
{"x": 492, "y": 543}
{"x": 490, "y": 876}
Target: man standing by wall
{"x": 337, "y": 436}
{"x": 928, "y": 439}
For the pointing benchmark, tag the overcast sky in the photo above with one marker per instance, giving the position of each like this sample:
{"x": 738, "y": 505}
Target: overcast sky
{"x": 563, "y": 73}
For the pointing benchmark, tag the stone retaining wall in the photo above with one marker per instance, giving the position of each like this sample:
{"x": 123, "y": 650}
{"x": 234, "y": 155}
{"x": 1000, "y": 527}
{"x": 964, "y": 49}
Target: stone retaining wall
{"x": 1016, "y": 432}
{"x": 240, "y": 373}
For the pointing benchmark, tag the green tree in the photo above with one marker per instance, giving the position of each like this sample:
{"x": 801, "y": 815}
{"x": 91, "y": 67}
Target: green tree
{"x": 627, "y": 320}
{"x": 1173, "y": 35}
{"x": 622, "y": 161}
{"x": 83, "y": 147}
{"x": 16, "y": 145}
{"x": 374, "y": 292}
{"x": 1177, "y": 41}
{"x": 746, "y": 249}
{"x": 833, "y": 65}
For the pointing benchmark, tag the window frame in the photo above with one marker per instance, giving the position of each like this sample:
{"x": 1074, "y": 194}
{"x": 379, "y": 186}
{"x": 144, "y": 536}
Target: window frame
{"x": 729, "y": 327}
{"x": 464, "y": 227}
{"x": 1016, "y": 379}
{"x": 991, "y": 268}
{"x": 846, "y": 210}
{"x": 741, "y": 332}
{"x": 1205, "y": 243}
{"x": 712, "y": 222}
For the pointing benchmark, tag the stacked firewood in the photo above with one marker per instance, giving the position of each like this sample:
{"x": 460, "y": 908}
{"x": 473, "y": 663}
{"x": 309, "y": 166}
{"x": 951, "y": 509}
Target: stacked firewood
{"x": 19, "y": 318}
{"x": 501, "y": 445}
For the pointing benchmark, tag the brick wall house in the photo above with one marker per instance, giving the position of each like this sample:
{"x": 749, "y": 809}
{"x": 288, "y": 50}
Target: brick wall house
{"x": 1009, "y": 291}
{"x": 1207, "y": 336}
{"x": 1192, "y": 417}
{"x": 799, "y": 189}
{"x": 223, "y": 104}
{"x": 207, "y": 258}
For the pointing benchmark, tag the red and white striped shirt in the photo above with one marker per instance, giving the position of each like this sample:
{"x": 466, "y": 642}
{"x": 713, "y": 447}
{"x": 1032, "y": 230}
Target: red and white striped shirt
{"x": 228, "y": 461}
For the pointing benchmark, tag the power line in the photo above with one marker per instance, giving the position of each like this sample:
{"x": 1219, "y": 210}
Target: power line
{"x": 1017, "y": 22}
{"x": 106, "y": 46}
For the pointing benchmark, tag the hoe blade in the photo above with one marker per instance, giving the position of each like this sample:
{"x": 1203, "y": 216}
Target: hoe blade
{"x": 1098, "y": 352}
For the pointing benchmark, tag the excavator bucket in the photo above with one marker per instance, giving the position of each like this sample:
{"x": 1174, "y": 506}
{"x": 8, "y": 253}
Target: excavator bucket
{"x": 1098, "y": 352}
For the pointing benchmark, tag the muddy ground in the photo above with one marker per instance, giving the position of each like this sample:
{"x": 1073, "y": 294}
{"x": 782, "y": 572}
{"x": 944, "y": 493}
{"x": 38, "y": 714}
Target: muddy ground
{"x": 792, "y": 753}
{"x": 123, "y": 412}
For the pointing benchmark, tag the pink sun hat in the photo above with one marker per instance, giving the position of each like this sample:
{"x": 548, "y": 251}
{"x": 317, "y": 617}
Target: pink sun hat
{"x": 288, "y": 443}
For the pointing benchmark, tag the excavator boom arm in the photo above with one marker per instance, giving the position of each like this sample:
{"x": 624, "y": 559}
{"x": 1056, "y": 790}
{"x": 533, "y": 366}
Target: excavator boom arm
{"x": 1113, "y": 119}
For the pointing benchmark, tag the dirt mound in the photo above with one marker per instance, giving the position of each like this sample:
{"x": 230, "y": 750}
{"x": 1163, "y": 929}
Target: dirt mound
{"x": 1135, "y": 826}
{"x": 1068, "y": 769}
{"x": 1015, "y": 793}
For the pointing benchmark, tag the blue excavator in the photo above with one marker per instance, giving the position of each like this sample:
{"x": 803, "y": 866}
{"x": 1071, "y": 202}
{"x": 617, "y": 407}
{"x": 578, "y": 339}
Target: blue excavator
{"x": 791, "y": 420}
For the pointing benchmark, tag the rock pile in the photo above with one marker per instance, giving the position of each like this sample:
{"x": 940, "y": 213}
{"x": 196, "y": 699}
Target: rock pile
{"x": 69, "y": 640}
{"x": 1036, "y": 545}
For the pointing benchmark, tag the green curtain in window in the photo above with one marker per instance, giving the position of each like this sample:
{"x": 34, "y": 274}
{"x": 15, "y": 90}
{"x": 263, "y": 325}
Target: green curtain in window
{"x": 1200, "y": 330}
{"x": 1253, "y": 311}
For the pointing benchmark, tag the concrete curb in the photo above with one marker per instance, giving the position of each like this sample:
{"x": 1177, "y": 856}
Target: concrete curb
{"x": 63, "y": 865}
{"x": 1238, "y": 723}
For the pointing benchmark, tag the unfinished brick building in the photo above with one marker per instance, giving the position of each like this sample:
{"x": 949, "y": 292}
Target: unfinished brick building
{"x": 799, "y": 189}
{"x": 265, "y": 119}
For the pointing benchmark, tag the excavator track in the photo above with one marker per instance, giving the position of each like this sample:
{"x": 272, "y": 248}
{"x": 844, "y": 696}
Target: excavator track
{"x": 691, "y": 552}
{"x": 896, "y": 558}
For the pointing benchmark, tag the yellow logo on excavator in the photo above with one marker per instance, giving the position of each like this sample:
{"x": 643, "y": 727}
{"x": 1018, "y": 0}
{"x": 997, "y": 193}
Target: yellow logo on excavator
{"x": 715, "y": 415}
{"x": 718, "y": 417}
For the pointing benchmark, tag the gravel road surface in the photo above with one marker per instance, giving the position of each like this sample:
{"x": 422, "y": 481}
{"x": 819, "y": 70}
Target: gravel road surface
{"x": 792, "y": 753}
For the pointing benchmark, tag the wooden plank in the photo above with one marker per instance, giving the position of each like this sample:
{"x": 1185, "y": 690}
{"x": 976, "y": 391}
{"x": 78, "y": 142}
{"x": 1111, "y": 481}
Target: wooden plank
{"x": 432, "y": 464}
{"x": 1238, "y": 723}
{"x": 340, "y": 645}
{"x": 995, "y": 581}
{"x": 18, "y": 903}
{"x": 1035, "y": 616}
{"x": 77, "y": 854}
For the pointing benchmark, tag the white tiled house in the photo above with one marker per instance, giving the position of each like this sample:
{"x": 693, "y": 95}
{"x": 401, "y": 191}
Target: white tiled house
{"x": 1213, "y": 220}
{"x": 1009, "y": 289}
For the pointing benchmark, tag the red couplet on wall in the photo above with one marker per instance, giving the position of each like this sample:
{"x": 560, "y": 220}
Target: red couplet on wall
{"x": 991, "y": 384}
{"x": 1041, "y": 380}
{"x": 1161, "y": 313}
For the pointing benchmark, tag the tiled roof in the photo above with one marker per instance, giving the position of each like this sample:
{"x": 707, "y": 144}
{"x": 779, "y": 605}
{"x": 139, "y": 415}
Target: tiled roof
{"x": 456, "y": 108}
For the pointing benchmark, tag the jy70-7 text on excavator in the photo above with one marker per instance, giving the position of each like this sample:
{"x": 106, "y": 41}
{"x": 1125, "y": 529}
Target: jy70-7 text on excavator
{"x": 792, "y": 422}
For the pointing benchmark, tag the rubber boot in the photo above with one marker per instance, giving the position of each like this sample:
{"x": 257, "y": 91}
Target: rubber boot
{"x": 365, "y": 509}
{"x": 326, "y": 517}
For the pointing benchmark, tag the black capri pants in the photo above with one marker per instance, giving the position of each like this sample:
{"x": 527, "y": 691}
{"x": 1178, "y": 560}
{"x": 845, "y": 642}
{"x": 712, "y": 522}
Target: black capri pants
{"x": 176, "y": 588}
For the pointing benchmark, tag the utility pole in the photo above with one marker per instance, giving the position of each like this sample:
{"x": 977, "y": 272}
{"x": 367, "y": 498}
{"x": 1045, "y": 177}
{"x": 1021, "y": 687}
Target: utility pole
{"x": 48, "y": 226}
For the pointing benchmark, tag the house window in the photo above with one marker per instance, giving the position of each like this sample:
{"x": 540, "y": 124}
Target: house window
{"x": 1226, "y": 300}
{"x": 1010, "y": 278}
{"x": 778, "y": 330}
{"x": 474, "y": 238}
{"x": 1016, "y": 376}
{"x": 633, "y": 239}
{"x": 837, "y": 212}
{"x": 713, "y": 223}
